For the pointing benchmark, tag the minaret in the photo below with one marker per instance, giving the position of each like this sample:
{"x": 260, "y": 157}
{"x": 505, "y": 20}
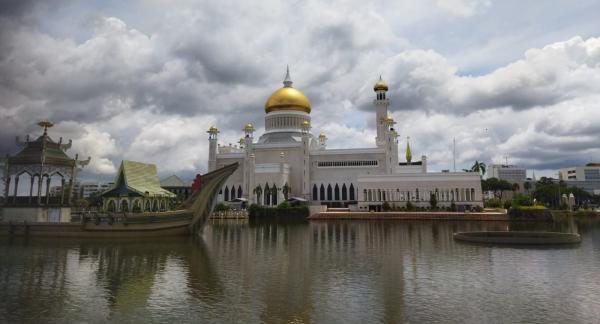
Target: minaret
{"x": 305, "y": 160}
{"x": 391, "y": 145}
{"x": 248, "y": 161}
{"x": 212, "y": 148}
{"x": 381, "y": 111}
{"x": 322, "y": 141}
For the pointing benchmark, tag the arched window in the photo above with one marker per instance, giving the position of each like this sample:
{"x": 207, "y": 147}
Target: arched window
{"x": 336, "y": 192}
{"x": 239, "y": 195}
{"x": 124, "y": 206}
{"x": 147, "y": 208}
{"x": 322, "y": 192}
{"x": 274, "y": 195}
{"x": 315, "y": 193}
{"x": 473, "y": 194}
{"x": 111, "y": 206}
{"x": 155, "y": 205}
{"x": 344, "y": 192}
{"x": 352, "y": 192}
{"x": 329, "y": 192}
{"x": 226, "y": 193}
{"x": 267, "y": 194}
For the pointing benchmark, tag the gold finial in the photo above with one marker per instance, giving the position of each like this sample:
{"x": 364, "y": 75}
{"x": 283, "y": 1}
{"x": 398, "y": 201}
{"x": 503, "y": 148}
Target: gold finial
{"x": 45, "y": 124}
{"x": 287, "y": 82}
{"x": 380, "y": 85}
{"x": 408, "y": 152}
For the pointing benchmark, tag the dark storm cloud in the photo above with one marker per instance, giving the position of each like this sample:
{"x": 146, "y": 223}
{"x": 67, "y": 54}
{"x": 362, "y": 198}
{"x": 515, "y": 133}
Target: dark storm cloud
{"x": 127, "y": 89}
{"x": 17, "y": 9}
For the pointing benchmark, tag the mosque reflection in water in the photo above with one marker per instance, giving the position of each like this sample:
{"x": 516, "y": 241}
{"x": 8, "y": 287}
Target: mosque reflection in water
{"x": 309, "y": 272}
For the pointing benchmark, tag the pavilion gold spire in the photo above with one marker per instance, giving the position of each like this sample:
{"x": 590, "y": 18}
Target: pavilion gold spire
{"x": 45, "y": 124}
{"x": 408, "y": 152}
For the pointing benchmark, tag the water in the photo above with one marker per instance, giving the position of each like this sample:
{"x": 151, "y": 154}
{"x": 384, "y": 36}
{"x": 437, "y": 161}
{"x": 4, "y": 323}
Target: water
{"x": 321, "y": 272}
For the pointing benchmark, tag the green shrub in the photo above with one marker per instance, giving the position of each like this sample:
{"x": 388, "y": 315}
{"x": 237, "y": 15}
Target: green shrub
{"x": 452, "y": 206}
{"x": 493, "y": 203}
{"x": 283, "y": 205}
{"x": 432, "y": 200}
{"x": 521, "y": 200}
{"x": 478, "y": 209}
{"x": 409, "y": 206}
{"x": 255, "y": 211}
{"x": 385, "y": 206}
{"x": 507, "y": 204}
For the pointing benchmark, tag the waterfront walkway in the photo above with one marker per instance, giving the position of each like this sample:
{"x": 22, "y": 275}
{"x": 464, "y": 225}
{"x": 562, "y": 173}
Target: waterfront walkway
{"x": 442, "y": 215}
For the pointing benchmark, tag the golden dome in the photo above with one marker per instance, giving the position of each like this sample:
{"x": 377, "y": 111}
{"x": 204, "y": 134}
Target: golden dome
{"x": 287, "y": 98}
{"x": 305, "y": 123}
{"x": 249, "y": 127}
{"x": 213, "y": 129}
{"x": 380, "y": 85}
{"x": 322, "y": 136}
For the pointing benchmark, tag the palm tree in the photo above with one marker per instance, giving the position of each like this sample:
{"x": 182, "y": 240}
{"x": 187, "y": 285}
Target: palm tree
{"x": 479, "y": 167}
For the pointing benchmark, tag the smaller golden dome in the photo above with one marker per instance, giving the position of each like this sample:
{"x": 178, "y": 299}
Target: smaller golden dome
{"x": 322, "y": 136}
{"x": 389, "y": 119}
{"x": 213, "y": 129}
{"x": 305, "y": 123}
{"x": 380, "y": 85}
{"x": 241, "y": 141}
{"x": 249, "y": 127}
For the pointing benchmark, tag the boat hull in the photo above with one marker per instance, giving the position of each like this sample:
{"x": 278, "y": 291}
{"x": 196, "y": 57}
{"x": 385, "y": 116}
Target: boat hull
{"x": 519, "y": 237}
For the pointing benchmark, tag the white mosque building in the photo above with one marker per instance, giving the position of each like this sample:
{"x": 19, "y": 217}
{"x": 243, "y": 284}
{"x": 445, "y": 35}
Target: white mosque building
{"x": 289, "y": 161}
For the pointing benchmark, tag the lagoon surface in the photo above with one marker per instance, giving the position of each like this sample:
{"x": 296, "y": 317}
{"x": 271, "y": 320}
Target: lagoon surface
{"x": 318, "y": 272}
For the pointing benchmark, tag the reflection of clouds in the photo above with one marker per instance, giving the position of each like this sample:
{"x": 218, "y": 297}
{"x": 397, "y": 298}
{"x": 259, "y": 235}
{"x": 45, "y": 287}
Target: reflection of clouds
{"x": 311, "y": 272}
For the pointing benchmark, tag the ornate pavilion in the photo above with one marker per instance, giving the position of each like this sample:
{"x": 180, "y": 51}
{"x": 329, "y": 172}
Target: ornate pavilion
{"x": 38, "y": 163}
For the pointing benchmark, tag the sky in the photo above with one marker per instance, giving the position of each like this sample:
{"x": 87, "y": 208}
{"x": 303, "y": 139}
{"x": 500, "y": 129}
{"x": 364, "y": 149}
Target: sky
{"x": 515, "y": 81}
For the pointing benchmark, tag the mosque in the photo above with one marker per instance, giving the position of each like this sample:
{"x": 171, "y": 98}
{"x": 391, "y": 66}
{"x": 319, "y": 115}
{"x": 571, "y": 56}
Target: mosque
{"x": 289, "y": 161}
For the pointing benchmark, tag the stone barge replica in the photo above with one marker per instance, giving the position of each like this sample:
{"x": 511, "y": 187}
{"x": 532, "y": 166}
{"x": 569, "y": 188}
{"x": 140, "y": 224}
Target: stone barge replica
{"x": 188, "y": 219}
{"x": 135, "y": 206}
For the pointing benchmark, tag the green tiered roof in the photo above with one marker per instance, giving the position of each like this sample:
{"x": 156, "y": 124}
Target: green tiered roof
{"x": 137, "y": 178}
{"x": 42, "y": 149}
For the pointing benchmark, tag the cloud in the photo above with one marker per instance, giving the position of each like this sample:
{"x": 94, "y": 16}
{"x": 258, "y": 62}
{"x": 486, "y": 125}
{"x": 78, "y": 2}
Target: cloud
{"x": 147, "y": 86}
{"x": 463, "y": 8}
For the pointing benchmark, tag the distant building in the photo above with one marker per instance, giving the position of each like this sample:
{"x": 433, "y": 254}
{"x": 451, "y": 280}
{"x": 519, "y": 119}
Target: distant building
{"x": 585, "y": 177}
{"x": 177, "y": 186}
{"x": 83, "y": 190}
{"x": 510, "y": 173}
{"x": 589, "y": 172}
